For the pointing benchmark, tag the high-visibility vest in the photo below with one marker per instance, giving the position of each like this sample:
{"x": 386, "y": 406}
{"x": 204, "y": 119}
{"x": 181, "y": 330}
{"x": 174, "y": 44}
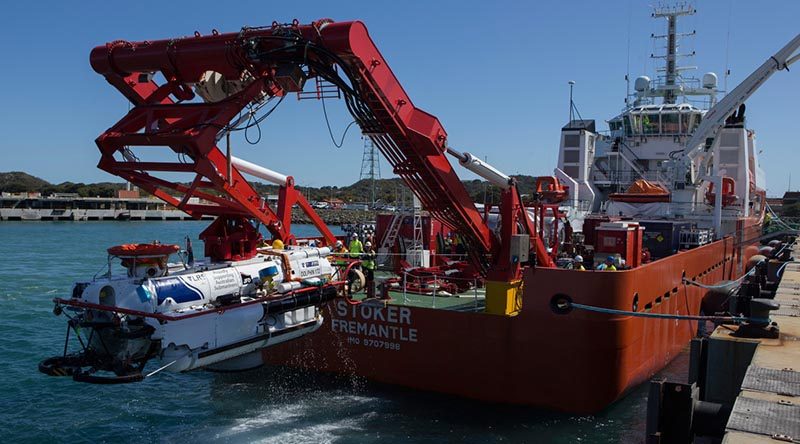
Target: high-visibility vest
{"x": 355, "y": 248}
{"x": 368, "y": 260}
{"x": 339, "y": 254}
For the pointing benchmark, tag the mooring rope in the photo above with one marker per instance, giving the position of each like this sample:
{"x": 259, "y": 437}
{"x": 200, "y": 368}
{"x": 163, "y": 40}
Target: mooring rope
{"x": 639, "y": 314}
{"x": 718, "y": 286}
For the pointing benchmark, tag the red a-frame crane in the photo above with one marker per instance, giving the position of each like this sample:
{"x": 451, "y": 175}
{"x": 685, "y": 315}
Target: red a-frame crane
{"x": 235, "y": 71}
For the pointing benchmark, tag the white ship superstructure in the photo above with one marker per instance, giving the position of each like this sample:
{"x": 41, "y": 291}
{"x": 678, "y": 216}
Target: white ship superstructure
{"x": 660, "y": 137}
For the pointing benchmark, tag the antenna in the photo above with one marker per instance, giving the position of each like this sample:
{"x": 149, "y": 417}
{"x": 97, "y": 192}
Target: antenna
{"x": 573, "y": 110}
{"x": 671, "y": 13}
{"x": 571, "y": 104}
{"x": 727, "y": 47}
{"x": 370, "y": 167}
{"x": 628, "y": 62}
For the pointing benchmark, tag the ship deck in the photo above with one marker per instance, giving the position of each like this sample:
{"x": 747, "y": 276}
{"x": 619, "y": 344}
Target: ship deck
{"x": 461, "y": 302}
{"x": 468, "y": 301}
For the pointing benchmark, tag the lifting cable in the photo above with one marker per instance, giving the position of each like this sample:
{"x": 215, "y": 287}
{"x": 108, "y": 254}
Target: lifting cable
{"x": 330, "y": 131}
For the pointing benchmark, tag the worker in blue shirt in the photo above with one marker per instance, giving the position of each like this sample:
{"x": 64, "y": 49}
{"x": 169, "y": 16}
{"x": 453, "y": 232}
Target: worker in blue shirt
{"x": 608, "y": 265}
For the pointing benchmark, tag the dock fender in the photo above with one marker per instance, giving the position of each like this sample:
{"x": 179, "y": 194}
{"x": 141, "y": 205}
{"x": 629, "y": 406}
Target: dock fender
{"x": 749, "y": 251}
{"x": 716, "y": 298}
{"x": 753, "y": 260}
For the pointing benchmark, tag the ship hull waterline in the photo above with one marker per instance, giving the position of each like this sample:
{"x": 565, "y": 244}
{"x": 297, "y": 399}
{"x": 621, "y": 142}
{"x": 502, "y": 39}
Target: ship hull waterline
{"x": 578, "y": 362}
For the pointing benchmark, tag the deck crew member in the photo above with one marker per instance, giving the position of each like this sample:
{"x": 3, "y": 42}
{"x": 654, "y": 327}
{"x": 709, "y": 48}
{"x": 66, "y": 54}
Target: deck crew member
{"x": 339, "y": 248}
{"x": 608, "y": 265}
{"x": 189, "y": 252}
{"x": 368, "y": 265}
{"x": 339, "y": 253}
{"x": 578, "y": 263}
{"x": 355, "y": 246}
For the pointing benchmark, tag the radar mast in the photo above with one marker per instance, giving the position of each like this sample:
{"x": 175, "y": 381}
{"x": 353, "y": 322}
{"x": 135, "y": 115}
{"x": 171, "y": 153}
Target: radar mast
{"x": 671, "y": 13}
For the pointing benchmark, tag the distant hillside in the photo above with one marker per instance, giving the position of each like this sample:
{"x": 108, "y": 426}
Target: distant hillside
{"x": 19, "y": 182}
{"x": 387, "y": 190}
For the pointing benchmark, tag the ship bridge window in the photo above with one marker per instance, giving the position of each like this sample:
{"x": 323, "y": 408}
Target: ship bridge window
{"x": 670, "y": 123}
{"x": 636, "y": 124}
{"x": 651, "y": 123}
{"x": 626, "y": 123}
{"x": 690, "y": 121}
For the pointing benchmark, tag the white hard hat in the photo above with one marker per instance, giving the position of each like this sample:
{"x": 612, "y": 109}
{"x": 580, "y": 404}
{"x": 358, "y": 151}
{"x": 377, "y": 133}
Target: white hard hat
{"x": 339, "y": 243}
{"x": 578, "y": 258}
{"x": 368, "y": 244}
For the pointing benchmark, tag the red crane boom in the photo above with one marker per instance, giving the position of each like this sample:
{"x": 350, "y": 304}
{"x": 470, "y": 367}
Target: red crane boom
{"x": 256, "y": 63}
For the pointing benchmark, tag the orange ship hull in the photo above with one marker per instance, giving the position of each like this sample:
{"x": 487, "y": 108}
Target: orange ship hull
{"x": 579, "y": 362}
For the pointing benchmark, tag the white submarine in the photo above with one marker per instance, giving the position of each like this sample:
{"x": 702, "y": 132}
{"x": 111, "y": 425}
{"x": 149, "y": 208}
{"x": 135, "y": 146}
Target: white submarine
{"x": 217, "y": 316}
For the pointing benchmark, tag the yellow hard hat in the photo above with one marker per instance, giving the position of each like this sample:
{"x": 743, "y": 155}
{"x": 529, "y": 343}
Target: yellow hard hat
{"x": 277, "y": 244}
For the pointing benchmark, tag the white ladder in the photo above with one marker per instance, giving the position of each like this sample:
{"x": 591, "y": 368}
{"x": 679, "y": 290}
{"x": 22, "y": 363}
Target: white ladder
{"x": 389, "y": 238}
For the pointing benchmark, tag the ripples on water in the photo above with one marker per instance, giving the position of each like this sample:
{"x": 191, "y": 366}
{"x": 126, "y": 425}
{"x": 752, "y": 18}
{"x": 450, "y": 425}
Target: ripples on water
{"x": 40, "y": 260}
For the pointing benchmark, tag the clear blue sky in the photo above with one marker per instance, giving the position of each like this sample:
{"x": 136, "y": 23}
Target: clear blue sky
{"x": 495, "y": 73}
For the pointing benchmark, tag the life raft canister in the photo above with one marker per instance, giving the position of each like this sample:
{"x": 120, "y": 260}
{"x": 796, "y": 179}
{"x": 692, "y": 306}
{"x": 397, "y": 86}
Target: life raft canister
{"x": 728, "y": 190}
{"x": 551, "y": 189}
{"x": 140, "y": 250}
{"x": 149, "y": 260}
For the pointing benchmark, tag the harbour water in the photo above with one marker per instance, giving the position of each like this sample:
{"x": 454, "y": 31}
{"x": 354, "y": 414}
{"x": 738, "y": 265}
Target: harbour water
{"x": 40, "y": 260}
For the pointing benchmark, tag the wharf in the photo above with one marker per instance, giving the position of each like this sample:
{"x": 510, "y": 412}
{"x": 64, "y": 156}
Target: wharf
{"x": 767, "y": 408}
{"x": 743, "y": 386}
